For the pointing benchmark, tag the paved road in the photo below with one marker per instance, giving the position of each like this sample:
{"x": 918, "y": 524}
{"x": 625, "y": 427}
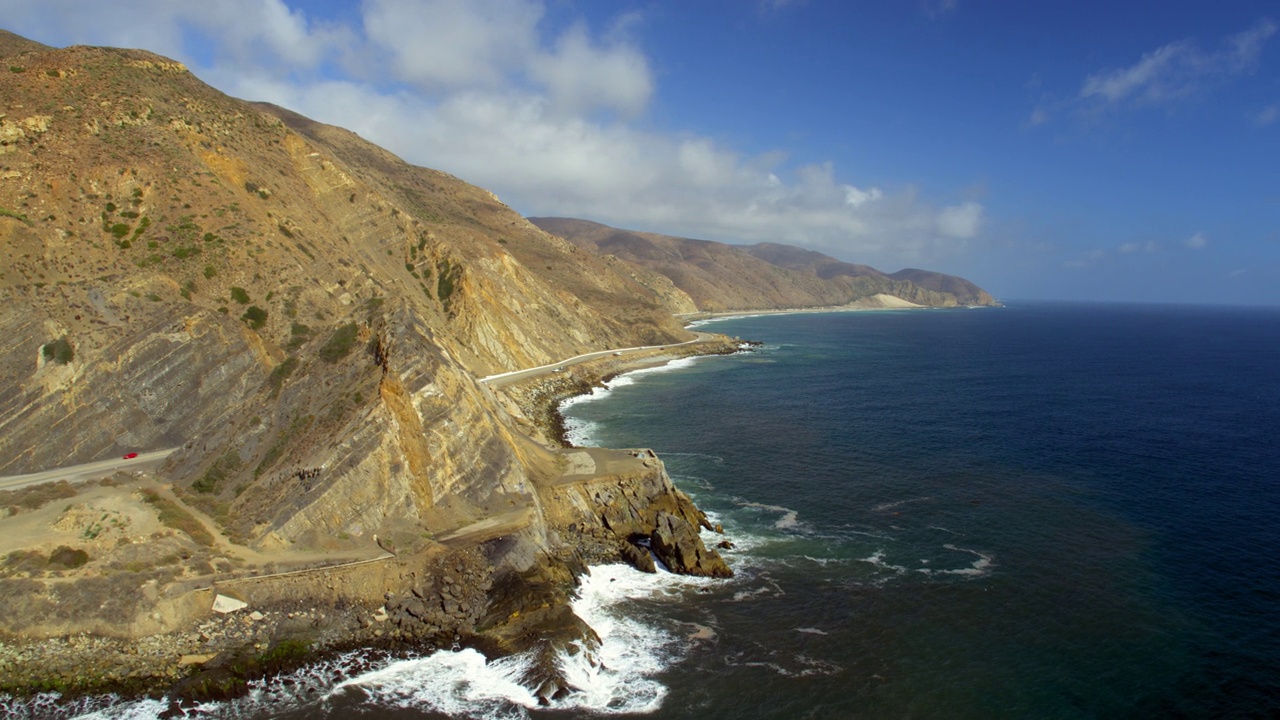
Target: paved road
{"x": 517, "y": 375}
{"x": 88, "y": 471}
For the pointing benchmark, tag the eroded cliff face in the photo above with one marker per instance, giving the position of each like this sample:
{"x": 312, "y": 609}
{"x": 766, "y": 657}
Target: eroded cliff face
{"x": 302, "y": 314}
{"x": 304, "y": 317}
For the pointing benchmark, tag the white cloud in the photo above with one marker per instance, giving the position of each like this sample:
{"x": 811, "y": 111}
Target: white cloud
{"x": 452, "y": 43}
{"x": 1196, "y": 242}
{"x": 1086, "y": 260}
{"x": 1175, "y": 71}
{"x": 960, "y": 221}
{"x": 1266, "y": 115}
{"x": 1150, "y": 246}
{"x": 581, "y": 75}
{"x": 1179, "y": 72}
{"x": 934, "y": 9}
{"x": 485, "y": 90}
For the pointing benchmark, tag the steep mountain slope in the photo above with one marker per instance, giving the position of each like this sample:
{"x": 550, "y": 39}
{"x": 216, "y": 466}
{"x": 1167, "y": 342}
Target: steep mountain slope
{"x": 180, "y": 268}
{"x": 719, "y": 277}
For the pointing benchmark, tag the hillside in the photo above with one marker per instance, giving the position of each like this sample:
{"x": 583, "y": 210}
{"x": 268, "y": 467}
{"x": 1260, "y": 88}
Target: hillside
{"x": 304, "y": 317}
{"x": 720, "y": 277}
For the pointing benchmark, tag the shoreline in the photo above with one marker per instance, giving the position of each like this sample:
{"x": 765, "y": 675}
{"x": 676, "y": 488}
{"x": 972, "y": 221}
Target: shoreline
{"x": 219, "y": 657}
{"x": 692, "y": 320}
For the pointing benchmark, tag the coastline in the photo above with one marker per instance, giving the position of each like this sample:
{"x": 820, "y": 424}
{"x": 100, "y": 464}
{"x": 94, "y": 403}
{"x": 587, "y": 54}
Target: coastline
{"x": 222, "y": 656}
{"x": 877, "y": 303}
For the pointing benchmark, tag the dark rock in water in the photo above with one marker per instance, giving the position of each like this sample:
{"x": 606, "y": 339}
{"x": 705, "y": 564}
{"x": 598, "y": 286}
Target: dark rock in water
{"x": 676, "y": 543}
{"x": 637, "y": 557}
{"x": 725, "y": 545}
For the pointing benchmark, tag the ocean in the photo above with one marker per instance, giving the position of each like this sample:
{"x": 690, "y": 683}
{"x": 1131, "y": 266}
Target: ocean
{"x": 1036, "y": 511}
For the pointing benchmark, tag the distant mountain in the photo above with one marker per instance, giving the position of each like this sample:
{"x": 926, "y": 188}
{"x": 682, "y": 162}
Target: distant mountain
{"x": 722, "y": 277}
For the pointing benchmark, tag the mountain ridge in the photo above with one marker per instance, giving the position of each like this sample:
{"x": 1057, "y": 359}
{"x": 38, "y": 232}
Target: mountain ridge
{"x": 721, "y": 277}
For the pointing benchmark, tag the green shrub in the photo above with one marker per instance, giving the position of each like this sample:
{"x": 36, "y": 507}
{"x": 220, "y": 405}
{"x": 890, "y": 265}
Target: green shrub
{"x": 120, "y": 230}
{"x": 339, "y": 343}
{"x": 143, "y": 224}
{"x": 210, "y": 271}
{"x": 216, "y": 473}
{"x": 299, "y": 335}
{"x": 20, "y": 217}
{"x": 17, "y": 69}
{"x": 59, "y": 351}
{"x": 240, "y": 295}
{"x": 68, "y": 557}
{"x": 445, "y": 282}
{"x": 255, "y": 316}
{"x": 185, "y": 252}
{"x": 281, "y": 373}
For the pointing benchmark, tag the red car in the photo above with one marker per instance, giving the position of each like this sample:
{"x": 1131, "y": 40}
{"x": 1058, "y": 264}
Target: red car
{"x": 130, "y": 456}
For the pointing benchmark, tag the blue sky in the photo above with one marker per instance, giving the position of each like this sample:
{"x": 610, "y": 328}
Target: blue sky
{"x": 1064, "y": 150}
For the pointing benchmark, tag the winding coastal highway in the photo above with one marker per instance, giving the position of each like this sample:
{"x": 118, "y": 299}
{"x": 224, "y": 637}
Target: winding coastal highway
{"x": 151, "y": 460}
{"x": 88, "y": 471}
{"x": 517, "y": 375}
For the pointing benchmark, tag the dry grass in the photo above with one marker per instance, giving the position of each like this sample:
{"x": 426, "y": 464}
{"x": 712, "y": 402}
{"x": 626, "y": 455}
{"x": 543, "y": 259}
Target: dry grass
{"x": 174, "y": 516}
{"x": 36, "y": 496}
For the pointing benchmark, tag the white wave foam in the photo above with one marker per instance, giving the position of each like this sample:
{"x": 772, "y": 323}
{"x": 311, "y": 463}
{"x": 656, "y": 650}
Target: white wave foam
{"x": 677, "y": 364}
{"x": 877, "y": 559}
{"x": 102, "y": 707}
{"x": 789, "y": 520}
{"x": 597, "y": 393}
{"x": 812, "y": 631}
{"x": 683, "y": 478}
{"x": 806, "y": 666}
{"x": 823, "y": 562}
{"x": 465, "y": 684}
{"x": 579, "y": 432}
{"x": 717, "y": 459}
{"x": 770, "y": 587}
{"x": 458, "y": 684}
{"x": 977, "y": 568}
{"x": 890, "y": 505}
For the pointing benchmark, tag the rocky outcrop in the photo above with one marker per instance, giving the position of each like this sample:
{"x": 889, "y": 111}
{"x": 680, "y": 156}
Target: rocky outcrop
{"x": 628, "y": 511}
{"x": 676, "y": 543}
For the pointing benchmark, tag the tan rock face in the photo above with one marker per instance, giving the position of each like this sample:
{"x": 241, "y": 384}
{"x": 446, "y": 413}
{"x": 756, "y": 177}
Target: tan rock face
{"x": 202, "y": 257}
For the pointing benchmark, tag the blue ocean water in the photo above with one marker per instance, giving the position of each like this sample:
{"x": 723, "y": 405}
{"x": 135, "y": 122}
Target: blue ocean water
{"x": 1044, "y": 510}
